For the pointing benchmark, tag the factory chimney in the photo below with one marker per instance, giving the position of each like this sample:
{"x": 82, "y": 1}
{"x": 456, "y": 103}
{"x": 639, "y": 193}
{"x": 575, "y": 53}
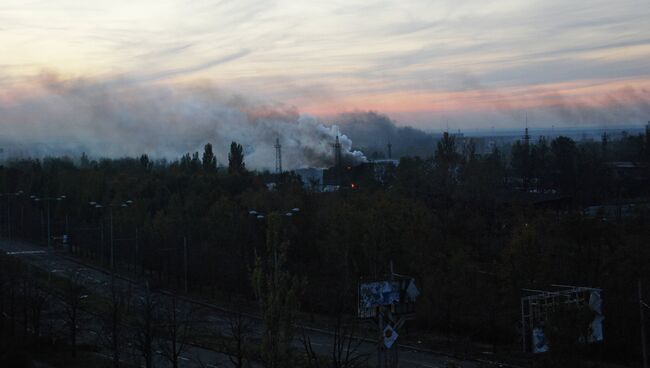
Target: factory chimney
{"x": 526, "y": 135}
{"x": 337, "y": 153}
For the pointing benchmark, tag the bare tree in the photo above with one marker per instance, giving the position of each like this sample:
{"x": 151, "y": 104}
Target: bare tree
{"x": 313, "y": 360}
{"x": 147, "y": 308}
{"x": 176, "y": 329}
{"x": 236, "y": 344}
{"x": 37, "y": 301}
{"x": 73, "y": 295}
{"x": 345, "y": 352}
{"x": 113, "y": 321}
{"x": 9, "y": 280}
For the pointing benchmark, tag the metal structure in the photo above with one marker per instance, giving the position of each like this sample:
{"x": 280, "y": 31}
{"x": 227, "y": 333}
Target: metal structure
{"x": 390, "y": 303}
{"x": 390, "y": 151}
{"x": 110, "y": 207}
{"x": 48, "y": 200}
{"x": 539, "y": 305}
{"x": 337, "y": 153}
{"x": 278, "y": 156}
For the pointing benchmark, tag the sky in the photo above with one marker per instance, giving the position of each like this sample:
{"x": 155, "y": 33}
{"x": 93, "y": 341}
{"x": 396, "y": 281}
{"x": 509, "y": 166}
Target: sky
{"x": 425, "y": 63}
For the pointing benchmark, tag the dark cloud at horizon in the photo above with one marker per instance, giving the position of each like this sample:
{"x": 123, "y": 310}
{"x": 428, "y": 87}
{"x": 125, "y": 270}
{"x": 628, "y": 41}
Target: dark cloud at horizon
{"x": 371, "y": 132}
{"x": 112, "y": 119}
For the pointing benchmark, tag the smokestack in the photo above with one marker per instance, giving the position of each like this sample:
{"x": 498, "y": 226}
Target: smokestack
{"x": 278, "y": 156}
{"x": 526, "y": 135}
{"x": 337, "y": 153}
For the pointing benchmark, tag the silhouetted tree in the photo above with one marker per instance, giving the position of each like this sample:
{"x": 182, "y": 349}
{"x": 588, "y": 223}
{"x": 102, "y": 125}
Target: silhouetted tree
{"x": 276, "y": 290}
{"x": 521, "y": 162}
{"x": 565, "y": 155}
{"x": 237, "y": 344}
{"x": 144, "y": 325}
{"x": 209, "y": 160}
{"x": 145, "y": 163}
{"x": 236, "y": 159}
{"x": 73, "y": 296}
{"x": 176, "y": 329}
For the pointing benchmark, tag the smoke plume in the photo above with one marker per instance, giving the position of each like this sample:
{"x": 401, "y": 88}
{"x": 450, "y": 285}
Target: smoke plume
{"x": 117, "y": 119}
{"x": 373, "y": 131}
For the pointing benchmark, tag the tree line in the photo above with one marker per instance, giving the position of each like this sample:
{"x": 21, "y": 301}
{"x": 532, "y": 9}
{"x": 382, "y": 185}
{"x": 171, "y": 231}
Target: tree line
{"x": 472, "y": 229}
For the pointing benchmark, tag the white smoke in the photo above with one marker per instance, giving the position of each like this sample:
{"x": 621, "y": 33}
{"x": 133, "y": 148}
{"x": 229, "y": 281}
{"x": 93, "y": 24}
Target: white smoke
{"x": 117, "y": 119}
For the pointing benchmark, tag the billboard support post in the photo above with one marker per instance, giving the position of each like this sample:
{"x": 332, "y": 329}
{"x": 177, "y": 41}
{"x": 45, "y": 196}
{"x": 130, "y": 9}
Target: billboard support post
{"x": 538, "y": 306}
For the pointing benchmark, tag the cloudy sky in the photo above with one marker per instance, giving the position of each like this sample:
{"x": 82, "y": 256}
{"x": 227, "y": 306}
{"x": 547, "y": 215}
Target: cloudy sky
{"x": 476, "y": 63}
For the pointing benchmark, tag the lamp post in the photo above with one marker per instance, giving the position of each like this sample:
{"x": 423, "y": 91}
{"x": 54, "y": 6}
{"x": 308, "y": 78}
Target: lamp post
{"x": 48, "y": 200}
{"x": 9, "y": 195}
{"x": 261, "y": 216}
{"x": 110, "y": 207}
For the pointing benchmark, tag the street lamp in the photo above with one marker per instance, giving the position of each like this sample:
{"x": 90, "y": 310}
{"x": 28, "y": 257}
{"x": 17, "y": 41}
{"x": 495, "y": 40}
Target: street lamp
{"x": 261, "y": 216}
{"x": 48, "y": 200}
{"x": 110, "y": 207}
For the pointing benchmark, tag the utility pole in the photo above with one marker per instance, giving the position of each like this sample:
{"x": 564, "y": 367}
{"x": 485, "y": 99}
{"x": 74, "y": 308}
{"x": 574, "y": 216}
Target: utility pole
{"x": 49, "y": 235}
{"x": 112, "y": 247}
{"x": 185, "y": 260}
{"x": 643, "y": 343}
{"x": 102, "y": 252}
{"x": 8, "y": 220}
{"x": 137, "y": 251}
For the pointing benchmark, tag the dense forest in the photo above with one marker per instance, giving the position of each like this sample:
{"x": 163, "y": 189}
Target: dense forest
{"x": 473, "y": 230}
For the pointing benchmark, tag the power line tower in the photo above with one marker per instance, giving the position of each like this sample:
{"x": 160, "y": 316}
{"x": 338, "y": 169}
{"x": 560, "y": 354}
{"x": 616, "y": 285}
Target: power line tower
{"x": 278, "y": 156}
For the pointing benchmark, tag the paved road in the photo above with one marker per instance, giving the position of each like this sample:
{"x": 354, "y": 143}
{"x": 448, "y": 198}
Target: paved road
{"x": 211, "y": 318}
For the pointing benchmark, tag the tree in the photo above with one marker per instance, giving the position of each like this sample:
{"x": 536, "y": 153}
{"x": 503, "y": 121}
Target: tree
{"x": 147, "y": 308}
{"x": 276, "y": 291}
{"x": 73, "y": 295}
{"x": 113, "y": 321}
{"x": 446, "y": 154}
{"x": 565, "y": 156}
{"x": 236, "y": 346}
{"x": 176, "y": 329}
{"x": 145, "y": 162}
{"x": 521, "y": 162}
{"x": 345, "y": 351}
{"x": 84, "y": 162}
{"x": 447, "y": 161}
{"x": 37, "y": 300}
{"x": 236, "y": 159}
{"x": 209, "y": 160}
{"x": 540, "y": 162}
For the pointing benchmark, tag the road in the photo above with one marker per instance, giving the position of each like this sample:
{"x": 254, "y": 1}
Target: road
{"x": 212, "y": 318}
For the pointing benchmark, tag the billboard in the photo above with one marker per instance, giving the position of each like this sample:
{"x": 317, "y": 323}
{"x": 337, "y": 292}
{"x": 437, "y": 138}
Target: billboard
{"x": 376, "y": 294}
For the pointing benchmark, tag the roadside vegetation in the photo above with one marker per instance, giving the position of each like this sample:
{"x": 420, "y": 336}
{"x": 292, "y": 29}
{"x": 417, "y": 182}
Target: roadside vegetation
{"x": 472, "y": 229}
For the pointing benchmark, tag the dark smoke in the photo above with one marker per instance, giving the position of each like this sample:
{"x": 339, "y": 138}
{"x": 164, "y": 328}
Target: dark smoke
{"x": 117, "y": 119}
{"x": 373, "y": 131}
{"x": 624, "y": 106}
